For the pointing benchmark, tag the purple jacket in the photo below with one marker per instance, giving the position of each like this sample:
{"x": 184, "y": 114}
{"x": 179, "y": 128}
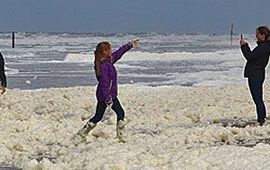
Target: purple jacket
{"x": 107, "y": 81}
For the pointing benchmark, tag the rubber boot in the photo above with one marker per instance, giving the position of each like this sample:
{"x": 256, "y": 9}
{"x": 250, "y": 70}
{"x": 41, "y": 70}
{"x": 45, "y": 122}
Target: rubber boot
{"x": 120, "y": 126}
{"x": 83, "y": 132}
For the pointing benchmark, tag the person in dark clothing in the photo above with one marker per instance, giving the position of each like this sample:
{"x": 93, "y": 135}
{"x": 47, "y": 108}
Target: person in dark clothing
{"x": 257, "y": 60}
{"x": 2, "y": 75}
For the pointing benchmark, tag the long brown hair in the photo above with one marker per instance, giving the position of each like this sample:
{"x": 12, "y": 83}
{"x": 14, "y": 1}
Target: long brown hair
{"x": 264, "y": 30}
{"x": 99, "y": 55}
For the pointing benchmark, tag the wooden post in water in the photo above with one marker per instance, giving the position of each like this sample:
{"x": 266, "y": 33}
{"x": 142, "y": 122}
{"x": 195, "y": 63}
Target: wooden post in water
{"x": 232, "y": 34}
{"x": 13, "y": 39}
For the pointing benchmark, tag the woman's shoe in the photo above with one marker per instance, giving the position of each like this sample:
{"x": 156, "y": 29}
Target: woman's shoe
{"x": 261, "y": 122}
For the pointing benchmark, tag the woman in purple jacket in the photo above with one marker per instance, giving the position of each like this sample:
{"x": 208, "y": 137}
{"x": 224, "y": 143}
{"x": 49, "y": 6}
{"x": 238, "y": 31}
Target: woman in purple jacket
{"x": 107, "y": 86}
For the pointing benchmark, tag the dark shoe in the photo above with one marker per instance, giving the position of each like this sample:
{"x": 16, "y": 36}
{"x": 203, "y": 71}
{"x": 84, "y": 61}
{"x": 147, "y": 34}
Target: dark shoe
{"x": 261, "y": 122}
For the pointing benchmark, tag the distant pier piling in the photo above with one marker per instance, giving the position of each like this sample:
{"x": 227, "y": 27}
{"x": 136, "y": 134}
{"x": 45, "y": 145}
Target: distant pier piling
{"x": 13, "y": 39}
{"x": 232, "y": 32}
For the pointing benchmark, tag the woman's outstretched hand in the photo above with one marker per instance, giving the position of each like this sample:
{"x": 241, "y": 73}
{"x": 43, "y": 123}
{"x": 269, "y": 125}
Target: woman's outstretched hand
{"x": 135, "y": 42}
{"x": 243, "y": 42}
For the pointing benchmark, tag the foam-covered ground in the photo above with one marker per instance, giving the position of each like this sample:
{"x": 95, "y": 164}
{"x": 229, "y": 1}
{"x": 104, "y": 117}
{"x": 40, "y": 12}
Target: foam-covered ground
{"x": 167, "y": 128}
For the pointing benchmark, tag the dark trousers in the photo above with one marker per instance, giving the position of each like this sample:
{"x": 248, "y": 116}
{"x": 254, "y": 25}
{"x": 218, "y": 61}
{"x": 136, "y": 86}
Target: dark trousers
{"x": 101, "y": 107}
{"x": 256, "y": 90}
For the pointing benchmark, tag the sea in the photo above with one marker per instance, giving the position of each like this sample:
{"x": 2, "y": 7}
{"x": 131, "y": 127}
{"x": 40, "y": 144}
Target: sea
{"x": 53, "y": 60}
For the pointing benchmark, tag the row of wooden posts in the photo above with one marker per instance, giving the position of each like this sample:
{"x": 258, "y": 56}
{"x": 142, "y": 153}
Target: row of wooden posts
{"x": 13, "y": 37}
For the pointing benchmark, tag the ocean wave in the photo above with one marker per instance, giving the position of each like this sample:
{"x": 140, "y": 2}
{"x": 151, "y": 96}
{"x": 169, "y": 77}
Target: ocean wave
{"x": 11, "y": 71}
{"x": 170, "y": 56}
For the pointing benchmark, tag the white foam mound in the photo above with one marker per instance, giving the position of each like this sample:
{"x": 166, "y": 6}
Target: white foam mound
{"x": 166, "y": 128}
{"x": 11, "y": 71}
{"x": 79, "y": 58}
{"x": 170, "y": 56}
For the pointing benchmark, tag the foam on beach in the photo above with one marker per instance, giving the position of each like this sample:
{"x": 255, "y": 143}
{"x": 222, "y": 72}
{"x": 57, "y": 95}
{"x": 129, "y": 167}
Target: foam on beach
{"x": 167, "y": 128}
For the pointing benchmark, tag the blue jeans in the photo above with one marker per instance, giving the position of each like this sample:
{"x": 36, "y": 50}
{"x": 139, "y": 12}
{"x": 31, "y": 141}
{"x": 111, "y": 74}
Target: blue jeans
{"x": 101, "y": 107}
{"x": 256, "y": 91}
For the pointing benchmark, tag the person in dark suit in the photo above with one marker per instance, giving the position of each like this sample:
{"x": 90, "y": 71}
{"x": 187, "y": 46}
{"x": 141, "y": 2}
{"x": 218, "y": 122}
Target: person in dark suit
{"x": 257, "y": 60}
{"x": 2, "y": 75}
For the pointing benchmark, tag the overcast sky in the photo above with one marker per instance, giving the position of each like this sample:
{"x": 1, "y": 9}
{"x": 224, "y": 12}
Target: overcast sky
{"x": 181, "y": 16}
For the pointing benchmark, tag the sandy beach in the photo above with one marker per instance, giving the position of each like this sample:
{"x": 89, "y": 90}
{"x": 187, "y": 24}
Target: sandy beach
{"x": 168, "y": 127}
